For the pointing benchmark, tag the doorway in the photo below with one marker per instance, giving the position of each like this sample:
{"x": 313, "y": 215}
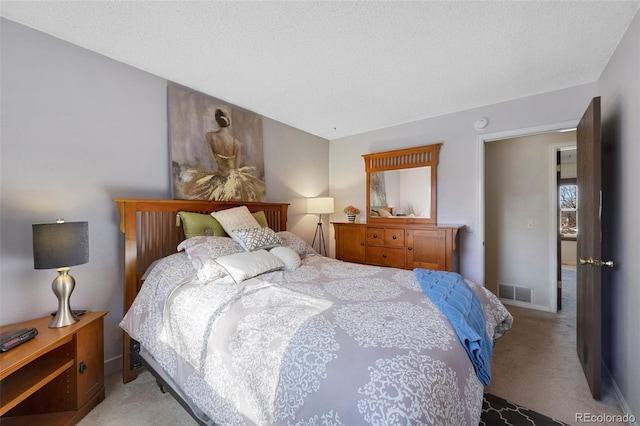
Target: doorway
{"x": 519, "y": 214}
{"x": 567, "y": 214}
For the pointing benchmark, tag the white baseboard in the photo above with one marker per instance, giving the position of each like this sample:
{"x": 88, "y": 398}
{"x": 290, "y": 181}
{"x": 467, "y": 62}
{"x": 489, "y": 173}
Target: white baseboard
{"x": 113, "y": 365}
{"x": 621, "y": 401}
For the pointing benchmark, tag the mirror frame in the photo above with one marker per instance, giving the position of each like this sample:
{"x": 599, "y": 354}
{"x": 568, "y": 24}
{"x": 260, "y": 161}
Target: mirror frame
{"x": 399, "y": 159}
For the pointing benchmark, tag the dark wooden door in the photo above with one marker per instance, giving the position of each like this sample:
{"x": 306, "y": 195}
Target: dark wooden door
{"x": 558, "y": 234}
{"x": 589, "y": 277}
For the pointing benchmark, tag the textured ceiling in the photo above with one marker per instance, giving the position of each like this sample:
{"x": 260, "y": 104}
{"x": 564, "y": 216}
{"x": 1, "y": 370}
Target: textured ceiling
{"x": 336, "y": 69}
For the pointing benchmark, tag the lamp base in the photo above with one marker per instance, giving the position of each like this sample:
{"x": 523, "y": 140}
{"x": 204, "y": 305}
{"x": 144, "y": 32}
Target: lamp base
{"x": 62, "y": 287}
{"x": 320, "y": 235}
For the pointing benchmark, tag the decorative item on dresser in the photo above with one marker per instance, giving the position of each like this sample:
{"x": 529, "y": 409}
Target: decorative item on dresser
{"x": 401, "y": 229}
{"x": 57, "y": 377}
{"x": 351, "y": 212}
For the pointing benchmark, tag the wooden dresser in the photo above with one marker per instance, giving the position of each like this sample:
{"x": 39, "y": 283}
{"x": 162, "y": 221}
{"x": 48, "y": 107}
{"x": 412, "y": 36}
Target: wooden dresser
{"x": 57, "y": 377}
{"x": 399, "y": 246}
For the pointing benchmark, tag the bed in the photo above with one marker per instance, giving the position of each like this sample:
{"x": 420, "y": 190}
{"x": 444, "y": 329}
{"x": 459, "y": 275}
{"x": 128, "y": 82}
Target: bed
{"x": 257, "y": 328}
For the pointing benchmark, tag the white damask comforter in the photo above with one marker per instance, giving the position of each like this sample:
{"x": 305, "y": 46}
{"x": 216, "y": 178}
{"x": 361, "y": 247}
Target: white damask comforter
{"x": 330, "y": 343}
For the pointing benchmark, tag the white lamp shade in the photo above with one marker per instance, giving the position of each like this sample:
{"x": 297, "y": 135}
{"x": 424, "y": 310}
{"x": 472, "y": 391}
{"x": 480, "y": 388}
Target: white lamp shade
{"x": 320, "y": 205}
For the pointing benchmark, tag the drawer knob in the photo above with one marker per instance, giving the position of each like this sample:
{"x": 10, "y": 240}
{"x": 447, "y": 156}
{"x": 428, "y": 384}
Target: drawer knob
{"x": 395, "y": 237}
{"x": 375, "y": 235}
{"x": 409, "y": 248}
{"x": 384, "y": 255}
{"x": 361, "y": 243}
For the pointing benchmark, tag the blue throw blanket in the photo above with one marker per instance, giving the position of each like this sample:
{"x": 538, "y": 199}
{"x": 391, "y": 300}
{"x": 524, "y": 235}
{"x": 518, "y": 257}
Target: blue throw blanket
{"x": 461, "y": 306}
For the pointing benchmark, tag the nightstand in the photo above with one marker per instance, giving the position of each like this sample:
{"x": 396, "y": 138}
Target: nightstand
{"x": 57, "y": 377}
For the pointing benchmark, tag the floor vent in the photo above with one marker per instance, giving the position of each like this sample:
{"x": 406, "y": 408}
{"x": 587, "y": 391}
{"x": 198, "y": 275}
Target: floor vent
{"x": 511, "y": 292}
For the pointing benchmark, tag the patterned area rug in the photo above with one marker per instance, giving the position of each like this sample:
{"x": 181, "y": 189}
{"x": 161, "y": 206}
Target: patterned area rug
{"x": 498, "y": 412}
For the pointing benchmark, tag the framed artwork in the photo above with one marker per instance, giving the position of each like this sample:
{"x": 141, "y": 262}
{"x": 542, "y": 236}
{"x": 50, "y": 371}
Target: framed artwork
{"x": 216, "y": 148}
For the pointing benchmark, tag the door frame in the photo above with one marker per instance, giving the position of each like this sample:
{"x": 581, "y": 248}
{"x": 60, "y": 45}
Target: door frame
{"x": 484, "y": 138}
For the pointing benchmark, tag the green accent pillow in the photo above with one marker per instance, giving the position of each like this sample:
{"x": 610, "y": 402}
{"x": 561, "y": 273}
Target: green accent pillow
{"x": 198, "y": 224}
{"x": 261, "y": 218}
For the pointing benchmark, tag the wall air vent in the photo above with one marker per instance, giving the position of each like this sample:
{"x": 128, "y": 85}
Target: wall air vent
{"x": 506, "y": 291}
{"x": 512, "y": 292}
{"x": 523, "y": 294}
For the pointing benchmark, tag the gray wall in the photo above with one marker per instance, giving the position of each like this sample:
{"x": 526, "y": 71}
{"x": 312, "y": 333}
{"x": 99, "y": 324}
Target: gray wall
{"x": 79, "y": 129}
{"x": 619, "y": 87}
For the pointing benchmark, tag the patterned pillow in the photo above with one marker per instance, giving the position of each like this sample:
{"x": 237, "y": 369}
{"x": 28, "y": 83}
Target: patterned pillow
{"x": 205, "y": 251}
{"x": 257, "y": 238}
{"x": 296, "y": 243}
{"x": 242, "y": 266}
{"x": 236, "y": 218}
{"x": 289, "y": 257}
{"x": 206, "y": 239}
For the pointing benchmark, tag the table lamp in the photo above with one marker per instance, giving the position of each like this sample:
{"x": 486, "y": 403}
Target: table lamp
{"x": 320, "y": 206}
{"x": 59, "y": 246}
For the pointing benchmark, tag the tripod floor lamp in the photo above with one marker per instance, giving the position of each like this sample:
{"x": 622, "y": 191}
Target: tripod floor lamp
{"x": 320, "y": 206}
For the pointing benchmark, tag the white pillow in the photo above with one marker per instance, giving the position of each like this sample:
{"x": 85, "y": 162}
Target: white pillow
{"x": 297, "y": 244}
{"x": 257, "y": 238}
{"x": 289, "y": 257}
{"x": 235, "y": 218}
{"x": 242, "y": 266}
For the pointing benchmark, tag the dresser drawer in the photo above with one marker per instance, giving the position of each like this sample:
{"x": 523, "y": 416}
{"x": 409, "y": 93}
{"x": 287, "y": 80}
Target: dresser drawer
{"x": 375, "y": 236}
{"x": 387, "y": 237}
{"x": 385, "y": 256}
{"x": 394, "y": 237}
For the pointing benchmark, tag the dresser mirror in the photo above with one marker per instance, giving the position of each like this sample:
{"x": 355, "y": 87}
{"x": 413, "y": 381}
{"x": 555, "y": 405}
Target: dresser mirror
{"x": 401, "y": 185}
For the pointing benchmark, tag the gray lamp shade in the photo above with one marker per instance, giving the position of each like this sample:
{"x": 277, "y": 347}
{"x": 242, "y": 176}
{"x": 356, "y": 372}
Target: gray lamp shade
{"x": 60, "y": 245}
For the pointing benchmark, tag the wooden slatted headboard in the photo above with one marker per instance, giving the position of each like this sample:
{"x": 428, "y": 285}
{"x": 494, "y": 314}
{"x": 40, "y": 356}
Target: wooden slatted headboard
{"x": 150, "y": 233}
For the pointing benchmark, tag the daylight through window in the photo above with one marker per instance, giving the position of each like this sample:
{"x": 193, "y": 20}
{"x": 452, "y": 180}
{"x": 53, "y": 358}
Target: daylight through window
{"x": 568, "y": 211}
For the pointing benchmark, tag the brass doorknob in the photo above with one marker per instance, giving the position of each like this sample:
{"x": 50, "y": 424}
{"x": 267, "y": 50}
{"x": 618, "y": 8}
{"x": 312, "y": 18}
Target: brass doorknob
{"x": 594, "y": 262}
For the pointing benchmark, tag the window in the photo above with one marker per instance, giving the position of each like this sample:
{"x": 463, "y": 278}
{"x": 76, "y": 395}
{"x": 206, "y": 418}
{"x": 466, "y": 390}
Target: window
{"x": 568, "y": 203}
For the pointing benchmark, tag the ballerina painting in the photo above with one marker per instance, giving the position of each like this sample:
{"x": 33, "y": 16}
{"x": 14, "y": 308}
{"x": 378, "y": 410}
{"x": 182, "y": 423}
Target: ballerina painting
{"x": 216, "y": 149}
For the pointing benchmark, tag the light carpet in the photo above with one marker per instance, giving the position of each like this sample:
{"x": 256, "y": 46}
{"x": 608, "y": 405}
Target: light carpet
{"x": 536, "y": 365}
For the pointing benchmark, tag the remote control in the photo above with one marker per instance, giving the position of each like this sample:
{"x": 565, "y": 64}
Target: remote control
{"x": 12, "y": 338}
